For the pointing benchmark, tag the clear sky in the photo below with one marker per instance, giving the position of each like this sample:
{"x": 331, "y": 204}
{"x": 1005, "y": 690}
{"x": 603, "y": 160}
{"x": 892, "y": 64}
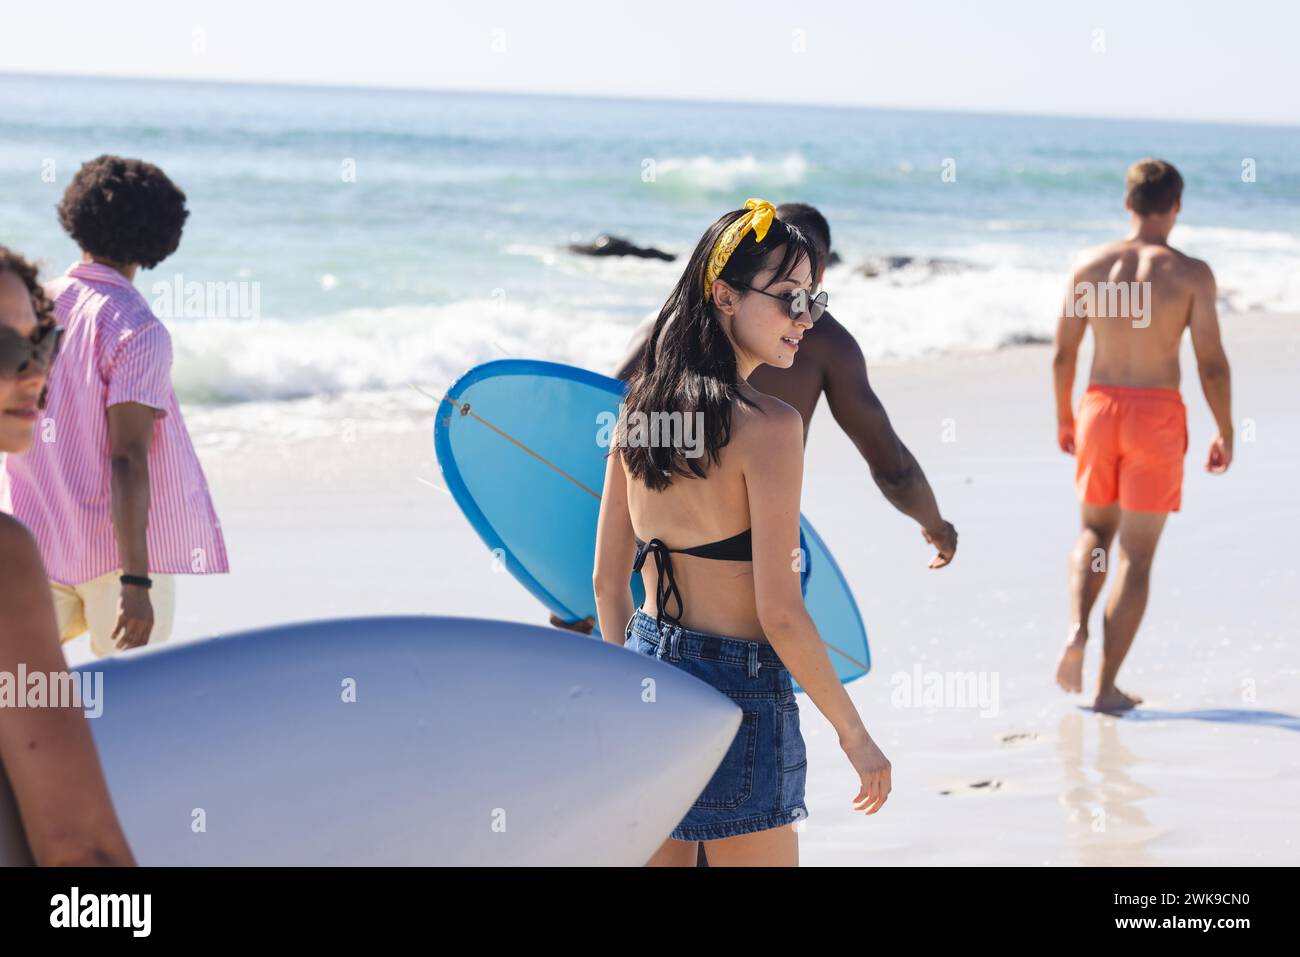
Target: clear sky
{"x": 1198, "y": 60}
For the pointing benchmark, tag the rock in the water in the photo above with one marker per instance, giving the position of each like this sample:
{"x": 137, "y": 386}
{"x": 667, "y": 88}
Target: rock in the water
{"x": 1025, "y": 339}
{"x": 606, "y": 245}
{"x": 880, "y": 265}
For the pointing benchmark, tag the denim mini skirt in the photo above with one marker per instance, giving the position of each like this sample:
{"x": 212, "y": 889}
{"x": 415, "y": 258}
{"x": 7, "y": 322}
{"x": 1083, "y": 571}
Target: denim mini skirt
{"x": 760, "y": 783}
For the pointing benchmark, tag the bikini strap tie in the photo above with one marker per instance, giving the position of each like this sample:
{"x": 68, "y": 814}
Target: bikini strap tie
{"x": 666, "y": 584}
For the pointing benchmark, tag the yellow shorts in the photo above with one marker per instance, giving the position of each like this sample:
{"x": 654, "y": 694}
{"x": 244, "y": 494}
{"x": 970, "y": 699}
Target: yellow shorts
{"x": 92, "y": 607}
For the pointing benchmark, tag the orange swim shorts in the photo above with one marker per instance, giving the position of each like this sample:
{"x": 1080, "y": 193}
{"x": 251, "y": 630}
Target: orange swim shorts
{"x": 1129, "y": 445}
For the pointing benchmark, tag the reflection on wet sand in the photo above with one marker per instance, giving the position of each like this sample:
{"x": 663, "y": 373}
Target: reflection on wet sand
{"x": 1104, "y": 820}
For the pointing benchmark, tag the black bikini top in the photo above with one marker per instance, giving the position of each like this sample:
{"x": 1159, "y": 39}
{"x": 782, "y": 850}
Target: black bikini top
{"x": 737, "y": 548}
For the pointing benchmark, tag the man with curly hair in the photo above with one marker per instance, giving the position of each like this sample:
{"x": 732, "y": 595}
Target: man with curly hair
{"x": 112, "y": 489}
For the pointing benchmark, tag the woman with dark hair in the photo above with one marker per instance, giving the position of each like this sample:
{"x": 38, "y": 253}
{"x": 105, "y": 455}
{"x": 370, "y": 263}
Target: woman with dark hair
{"x": 731, "y": 611}
{"x": 46, "y": 753}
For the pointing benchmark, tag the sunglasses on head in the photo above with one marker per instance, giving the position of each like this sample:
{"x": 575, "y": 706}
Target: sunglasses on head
{"x": 797, "y": 302}
{"x": 20, "y": 355}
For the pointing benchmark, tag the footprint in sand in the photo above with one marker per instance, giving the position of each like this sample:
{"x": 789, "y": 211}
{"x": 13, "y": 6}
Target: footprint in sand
{"x": 981, "y": 786}
{"x": 1023, "y": 737}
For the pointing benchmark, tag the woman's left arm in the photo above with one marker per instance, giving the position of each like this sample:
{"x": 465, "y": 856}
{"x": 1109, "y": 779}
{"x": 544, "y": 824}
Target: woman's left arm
{"x": 48, "y": 753}
{"x": 615, "y": 553}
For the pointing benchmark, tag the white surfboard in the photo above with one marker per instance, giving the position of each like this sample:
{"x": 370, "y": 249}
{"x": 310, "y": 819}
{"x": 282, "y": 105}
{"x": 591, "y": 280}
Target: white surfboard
{"x": 469, "y": 742}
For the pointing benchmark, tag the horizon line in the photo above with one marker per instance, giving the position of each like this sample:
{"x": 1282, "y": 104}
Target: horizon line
{"x": 696, "y": 101}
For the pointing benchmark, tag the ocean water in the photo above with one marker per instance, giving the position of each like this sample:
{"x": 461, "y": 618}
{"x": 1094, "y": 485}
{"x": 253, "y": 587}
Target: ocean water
{"x": 377, "y": 240}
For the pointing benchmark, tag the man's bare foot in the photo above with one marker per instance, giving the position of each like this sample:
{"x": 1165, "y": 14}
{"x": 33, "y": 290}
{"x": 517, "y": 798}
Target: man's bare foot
{"x": 582, "y": 626}
{"x": 1069, "y": 672}
{"x": 1114, "y": 701}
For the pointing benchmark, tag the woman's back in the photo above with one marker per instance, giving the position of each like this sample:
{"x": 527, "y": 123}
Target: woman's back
{"x": 717, "y": 596}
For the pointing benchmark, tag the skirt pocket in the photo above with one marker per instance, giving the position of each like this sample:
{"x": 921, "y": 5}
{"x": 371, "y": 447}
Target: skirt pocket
{"x": 733, "y": 782}
{"x": 794, "y": 755}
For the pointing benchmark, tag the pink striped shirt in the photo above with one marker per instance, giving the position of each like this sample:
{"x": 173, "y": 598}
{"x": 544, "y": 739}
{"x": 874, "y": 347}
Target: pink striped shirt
{"x": 114, "y": 350}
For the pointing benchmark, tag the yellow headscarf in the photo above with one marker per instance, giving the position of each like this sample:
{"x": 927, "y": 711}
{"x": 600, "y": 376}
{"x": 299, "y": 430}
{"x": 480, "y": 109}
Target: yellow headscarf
{"x": 758, "y": 218}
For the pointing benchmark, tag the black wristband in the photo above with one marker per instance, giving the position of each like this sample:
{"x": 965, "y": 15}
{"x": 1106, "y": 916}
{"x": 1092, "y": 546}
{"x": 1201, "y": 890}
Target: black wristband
{"x": 142, "y": 580}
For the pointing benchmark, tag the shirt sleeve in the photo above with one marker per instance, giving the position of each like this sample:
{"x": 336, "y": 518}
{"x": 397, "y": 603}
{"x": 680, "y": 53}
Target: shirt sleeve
{"x": 141, "y": 369}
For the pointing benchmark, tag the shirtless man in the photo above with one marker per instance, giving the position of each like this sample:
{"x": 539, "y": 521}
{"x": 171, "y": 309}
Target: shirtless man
{"x": 831, "y": 362}
{"x": 1138, "y": 295}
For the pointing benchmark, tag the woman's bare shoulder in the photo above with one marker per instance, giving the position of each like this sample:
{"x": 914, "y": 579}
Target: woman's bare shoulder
{"x": 20, "y": 559}
{"x": 766, "y": 424}
{"x": 25, "y": 606}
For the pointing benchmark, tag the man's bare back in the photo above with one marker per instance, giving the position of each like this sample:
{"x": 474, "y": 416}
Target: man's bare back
{"x": 1138, "y": 298}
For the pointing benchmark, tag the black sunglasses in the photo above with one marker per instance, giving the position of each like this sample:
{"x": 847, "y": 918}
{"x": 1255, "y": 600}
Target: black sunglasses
{"x": 19, "y": 353}
{"x": 797, "y": 301}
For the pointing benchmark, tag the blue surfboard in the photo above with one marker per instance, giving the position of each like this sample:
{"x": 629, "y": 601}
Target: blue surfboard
{"x": 518, "y": 444}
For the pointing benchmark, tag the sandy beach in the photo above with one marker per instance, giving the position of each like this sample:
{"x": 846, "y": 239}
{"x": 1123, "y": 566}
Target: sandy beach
{"x": 1204, "y": 771}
